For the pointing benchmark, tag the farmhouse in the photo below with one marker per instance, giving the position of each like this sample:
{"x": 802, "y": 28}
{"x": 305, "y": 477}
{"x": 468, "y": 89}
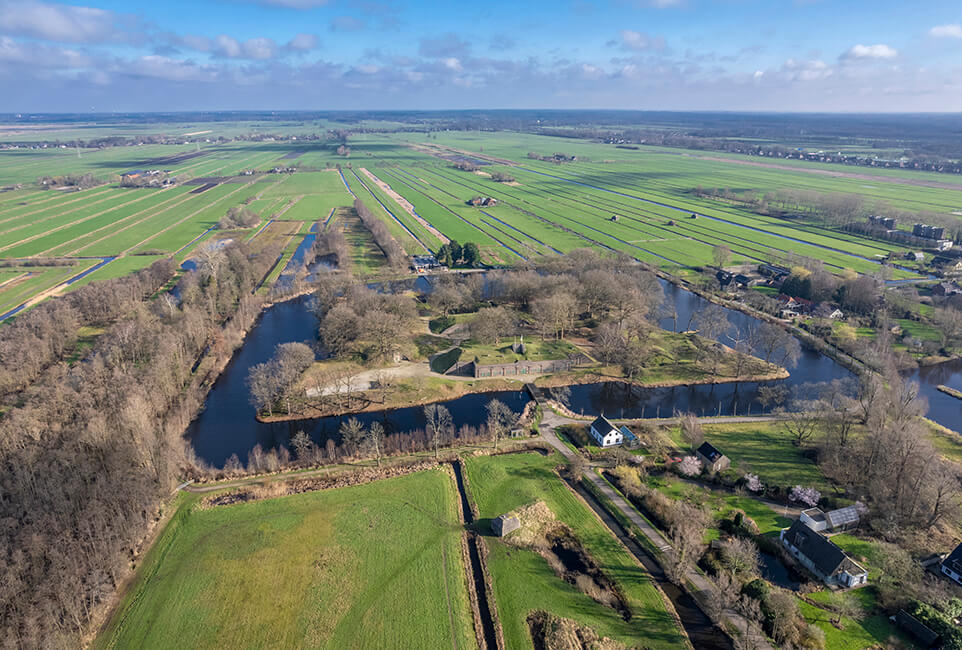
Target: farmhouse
{"x": 711, "y": 458}
{"x": 605, "y": 433}
{"x": 946, "y": 289}
{"x": 422, "y": 263}
{"x": 952, "y": 565}
{"x": 821, "y": 556}
{"x": 831, "y": 521}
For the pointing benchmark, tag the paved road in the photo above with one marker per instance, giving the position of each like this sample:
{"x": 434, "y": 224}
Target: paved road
{"x": 658, "y": 540}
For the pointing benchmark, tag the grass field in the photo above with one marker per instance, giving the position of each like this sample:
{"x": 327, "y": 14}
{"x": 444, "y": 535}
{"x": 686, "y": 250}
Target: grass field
{"x": 637, "y": 202}
{"x": 371, "y": 566}
{"x": 523, "y": 581}
{"x": 763, "y": 448}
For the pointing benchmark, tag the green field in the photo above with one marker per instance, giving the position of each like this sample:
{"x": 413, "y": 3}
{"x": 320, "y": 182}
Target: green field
{"x": 637, "y": 202}
{"x": 371, "y": 566}
{"x": 523, "y": 581}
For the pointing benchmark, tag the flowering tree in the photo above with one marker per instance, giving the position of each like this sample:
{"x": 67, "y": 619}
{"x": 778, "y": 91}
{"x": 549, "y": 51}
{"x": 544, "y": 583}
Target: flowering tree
{"x": 753, "y": 483}
{"x": 808, "y": 496}
{"x": 690, "y": 466}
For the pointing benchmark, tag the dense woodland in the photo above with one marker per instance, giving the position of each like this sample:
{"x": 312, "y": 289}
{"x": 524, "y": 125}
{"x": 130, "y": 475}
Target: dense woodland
{"x": 91, "y": 435}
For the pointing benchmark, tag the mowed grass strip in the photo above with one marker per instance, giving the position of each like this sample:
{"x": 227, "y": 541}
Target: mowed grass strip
{"x": 370, "y": 566}
{"x": 523, "y": 581}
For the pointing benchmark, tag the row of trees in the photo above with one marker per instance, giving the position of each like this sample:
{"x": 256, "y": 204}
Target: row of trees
{"x": 88, "y": 450}
{"x": 331, "y": 242}
{"x": 392, "y": 250}
{"x": 454, "y": 254}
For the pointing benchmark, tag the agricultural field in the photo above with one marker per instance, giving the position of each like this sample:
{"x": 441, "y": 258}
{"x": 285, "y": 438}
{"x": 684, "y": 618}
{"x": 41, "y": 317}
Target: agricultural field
{"x": 375, "y": 565}
{"x": 523, "y": 580}
{"x": 639, "y": 202}
{"x": 123, "y": 229}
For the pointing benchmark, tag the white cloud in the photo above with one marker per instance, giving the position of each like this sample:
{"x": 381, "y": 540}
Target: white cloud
{"x": 878, "y": 51}
{"x": 259, "y": 48}
{"x": 946, "y": 31}
{"x": 638, "y": 41}
{"x": 452, "y": 63}
{"x": 303, "y": 43}
{"x": 806, "y": 70}
{"x": 58, "y": 22}
{"x": 45, "y": 56}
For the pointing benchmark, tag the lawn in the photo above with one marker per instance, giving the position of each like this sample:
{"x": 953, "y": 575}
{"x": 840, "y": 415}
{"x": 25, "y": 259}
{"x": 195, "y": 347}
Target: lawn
{"x": 535, "y": 350}
{"x": 371, "y": 566}
{"x": 723, "y": 504}
{"x": 523, "y": 581}
{"x": 763, "y": 448}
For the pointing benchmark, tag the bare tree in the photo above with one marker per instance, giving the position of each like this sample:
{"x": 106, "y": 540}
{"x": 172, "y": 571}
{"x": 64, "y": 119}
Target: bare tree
{"x": 375, "y": 437}
{"x": 691, "y": 430}
{"x": 721, "y": 254}
{"x": 439, "y": 424}
{"x": 501, "y": 419}
{"x": 352, "y": 433}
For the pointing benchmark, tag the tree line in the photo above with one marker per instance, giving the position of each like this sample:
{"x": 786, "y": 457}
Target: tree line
{"x": 91, "y": 441}
{"x": 396, "y": 257}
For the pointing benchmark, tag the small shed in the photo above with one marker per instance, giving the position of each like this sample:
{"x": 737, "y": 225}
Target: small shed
{"x": 713, "y": 459}
{"x": 505, "y": 524}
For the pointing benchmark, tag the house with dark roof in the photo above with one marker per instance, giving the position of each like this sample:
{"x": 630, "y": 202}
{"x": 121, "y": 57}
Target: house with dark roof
{"x": 605, "y": 433}
{"x": 831, "y": 521}
{"x": 928, "y": 637}
{"x": 952, "y": 565}
{"x": 711, "y": 458}
{"x": 821, "y": 556}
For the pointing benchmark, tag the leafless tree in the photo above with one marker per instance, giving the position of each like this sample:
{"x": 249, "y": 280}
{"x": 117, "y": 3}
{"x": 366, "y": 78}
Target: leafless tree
{"x": 440, "y": 424}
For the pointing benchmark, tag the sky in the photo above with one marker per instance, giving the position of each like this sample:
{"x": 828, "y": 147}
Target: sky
{"x": 733, "y": 55}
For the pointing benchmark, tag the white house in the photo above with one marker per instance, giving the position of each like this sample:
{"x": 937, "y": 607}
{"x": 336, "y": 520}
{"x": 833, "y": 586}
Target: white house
{"x": 952, "y": 565}
{"x": 605, "y": 433}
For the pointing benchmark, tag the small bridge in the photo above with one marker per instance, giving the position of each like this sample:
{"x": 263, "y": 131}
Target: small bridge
{"x": 537, "y": 394}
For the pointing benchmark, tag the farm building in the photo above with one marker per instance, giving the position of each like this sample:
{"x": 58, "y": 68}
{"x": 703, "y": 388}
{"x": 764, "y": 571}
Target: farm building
{"x": 711, "y": 458}
{"x": 821, "y": 556}
{"x": 504, "y": 524}
{"x": 422, "y": 263}
{"x": 605, "y": 433}
{"x": 831, "y": 521}
{"x": 952, "y": 565}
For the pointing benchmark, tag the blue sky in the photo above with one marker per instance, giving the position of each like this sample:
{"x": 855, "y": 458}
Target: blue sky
{"x": 774, "y": 55}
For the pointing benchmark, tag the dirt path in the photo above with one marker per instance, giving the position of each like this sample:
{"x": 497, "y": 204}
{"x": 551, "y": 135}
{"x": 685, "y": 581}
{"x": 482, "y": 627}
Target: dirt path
{"x": 828, "y": 172}
{"x": 405, "y": 204}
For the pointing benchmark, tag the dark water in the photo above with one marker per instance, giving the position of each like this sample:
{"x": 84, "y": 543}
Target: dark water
{"x": 775, "y": 571}
{"x": 227, "y": 425}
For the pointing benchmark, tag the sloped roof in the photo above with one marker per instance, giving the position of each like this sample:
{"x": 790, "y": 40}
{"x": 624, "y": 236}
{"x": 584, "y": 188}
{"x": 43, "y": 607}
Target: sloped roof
{"x": 709, "y": 452}
{"x": 842, "y": 516}
{"x": 603, "y": 426}
{"x": 954, "y": 561}
{"x": 824, "y": 554}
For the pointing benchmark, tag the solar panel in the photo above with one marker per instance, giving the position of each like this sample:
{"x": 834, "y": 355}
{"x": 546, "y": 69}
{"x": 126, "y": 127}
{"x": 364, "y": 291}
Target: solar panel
{"x": 842, "y": 516}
